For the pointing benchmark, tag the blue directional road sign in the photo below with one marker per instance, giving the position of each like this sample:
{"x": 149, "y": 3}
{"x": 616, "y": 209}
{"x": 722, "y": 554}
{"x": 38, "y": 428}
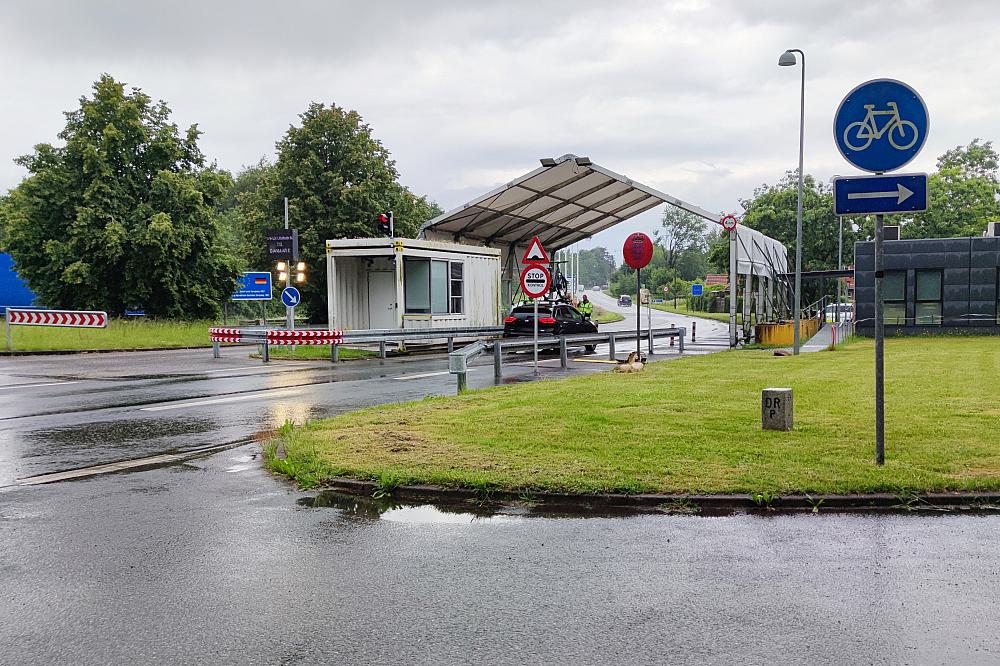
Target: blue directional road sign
{"x": 253, "y": 287}
{"x": 892, "y": 193}
{"x": 697, "y": 289}
{"x": 881, "y": 125}
{"x": 290, "y": 297}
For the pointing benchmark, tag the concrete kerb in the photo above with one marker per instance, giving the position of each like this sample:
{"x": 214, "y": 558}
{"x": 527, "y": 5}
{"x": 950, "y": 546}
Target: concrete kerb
{"x": 708, "y": 503}
{"x": 56, "y": 352}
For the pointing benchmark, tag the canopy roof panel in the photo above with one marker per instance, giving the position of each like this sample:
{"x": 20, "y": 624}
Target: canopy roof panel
{"x": 564, "y": 201}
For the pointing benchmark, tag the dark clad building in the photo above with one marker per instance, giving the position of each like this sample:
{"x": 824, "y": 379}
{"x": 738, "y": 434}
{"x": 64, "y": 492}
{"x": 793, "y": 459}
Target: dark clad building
{"x": 932, "y": 286}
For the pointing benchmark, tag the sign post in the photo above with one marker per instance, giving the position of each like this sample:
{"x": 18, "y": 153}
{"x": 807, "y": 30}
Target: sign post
{"x": 535, "y": 281}
{"x": 880, "y": 126}
{"x": 729, "y": 224}
{"x": 638, "y": 251}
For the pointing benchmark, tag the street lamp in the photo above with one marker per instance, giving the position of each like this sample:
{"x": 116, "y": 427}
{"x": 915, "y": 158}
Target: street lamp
{"x": 787, "y": 59}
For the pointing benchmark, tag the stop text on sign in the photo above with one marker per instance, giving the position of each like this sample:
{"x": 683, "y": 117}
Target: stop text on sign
{"x": 535, "y": 281}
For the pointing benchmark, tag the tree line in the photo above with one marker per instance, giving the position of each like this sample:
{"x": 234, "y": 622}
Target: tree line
{"x": 128, "y": 212}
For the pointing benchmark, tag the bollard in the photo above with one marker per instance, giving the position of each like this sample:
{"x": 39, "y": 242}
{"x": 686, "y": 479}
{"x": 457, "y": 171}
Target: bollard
{"x": 776, "y": 409}
{"x": 672, "y": 340}
{"x": 611, "y": 347}
{"x": 451, "y": 345}
{"x": 563, "y": 354}
{"x": 334, "y": 353}
{"x": 680, "y": 340}
{"x": 266, "y": 355}
{"x": 497, "y": 361}
{"x": 694, "y": 330}
{"x": 462, "y": 384}
{"x": 216, "y": 352}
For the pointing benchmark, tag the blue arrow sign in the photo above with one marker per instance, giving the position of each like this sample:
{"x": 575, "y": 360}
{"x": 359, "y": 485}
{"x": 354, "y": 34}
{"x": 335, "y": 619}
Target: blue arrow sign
{"x": 290, "y": 297}
{"x": 881, "y": 125}
{"x": 254, "y": 286}
{"x": 893, "y": 193}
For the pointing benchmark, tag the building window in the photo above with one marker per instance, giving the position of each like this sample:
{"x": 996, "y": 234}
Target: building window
{"x": 431, "y": 286}
{"x": 456, "y": 286}
{"x": 928, "y": 312}
{"x": 894, "y": 297}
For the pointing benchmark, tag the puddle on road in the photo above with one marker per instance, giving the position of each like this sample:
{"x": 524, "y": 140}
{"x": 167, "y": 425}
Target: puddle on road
{"x": 371, "y": 508}
{"x": 120, "y": 433}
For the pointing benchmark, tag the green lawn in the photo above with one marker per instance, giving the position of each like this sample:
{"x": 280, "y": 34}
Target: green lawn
{"x": 682, "y": 309}
{"x": 120, "y": 334}
{"x": 688, "y": 426}
{"x": 602, "y": 316}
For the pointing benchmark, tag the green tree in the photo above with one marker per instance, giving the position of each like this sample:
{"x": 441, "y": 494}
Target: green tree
{"x": 337, "y": 177}
{"x": 123, "y": 214}
{"x": 596, "y": 266}
{"x": 963, "y": 195}
{"x": 680, "y": 231}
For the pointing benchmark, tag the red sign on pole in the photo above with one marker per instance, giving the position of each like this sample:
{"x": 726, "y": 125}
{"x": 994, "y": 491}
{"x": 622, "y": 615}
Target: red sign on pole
{"x": 535, "y": 281}
{"x": 638, "y": 250}
{"x": 62, "y": 318}
{"x": 729, "y": 222}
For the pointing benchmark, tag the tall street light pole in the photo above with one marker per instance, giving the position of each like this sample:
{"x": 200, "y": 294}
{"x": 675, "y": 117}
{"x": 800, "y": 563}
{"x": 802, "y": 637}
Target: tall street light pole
{"x": 787, "y": 59}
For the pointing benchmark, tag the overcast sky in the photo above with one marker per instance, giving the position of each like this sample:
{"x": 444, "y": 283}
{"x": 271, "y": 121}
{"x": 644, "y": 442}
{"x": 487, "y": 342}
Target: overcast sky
{"x": 683, "y": 96}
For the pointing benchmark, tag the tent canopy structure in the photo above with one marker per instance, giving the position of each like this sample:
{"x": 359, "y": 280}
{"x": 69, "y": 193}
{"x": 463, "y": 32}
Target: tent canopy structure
{"x": 566, "y": 200}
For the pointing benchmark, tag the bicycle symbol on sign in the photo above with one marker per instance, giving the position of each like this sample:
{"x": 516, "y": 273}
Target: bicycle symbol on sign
{"x": 902, "y": 133}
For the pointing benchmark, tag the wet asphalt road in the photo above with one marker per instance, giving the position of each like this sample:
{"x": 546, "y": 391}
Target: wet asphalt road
{"x": 212, "y": 560}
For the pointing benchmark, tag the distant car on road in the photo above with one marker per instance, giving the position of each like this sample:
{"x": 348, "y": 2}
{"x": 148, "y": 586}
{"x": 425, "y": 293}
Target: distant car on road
{"x": 597, "y": 287}
{"x": 553, "y": 319}
{"x": 625, "y": 301}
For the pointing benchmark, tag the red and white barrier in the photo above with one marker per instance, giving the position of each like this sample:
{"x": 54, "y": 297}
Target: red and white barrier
{"x": 276, "y": 337}
{"x": 61, "y": 318}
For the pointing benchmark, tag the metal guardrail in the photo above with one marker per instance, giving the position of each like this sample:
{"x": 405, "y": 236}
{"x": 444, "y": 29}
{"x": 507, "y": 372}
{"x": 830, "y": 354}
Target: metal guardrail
{"x": 458, "y": 361}
{"x": 265, "y": 337}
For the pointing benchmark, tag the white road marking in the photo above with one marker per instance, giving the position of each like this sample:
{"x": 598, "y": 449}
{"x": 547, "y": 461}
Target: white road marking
{"x": 218, "y": 401}
{"x": 20, "y": 386}
{"x": 423, "y": 375}
{"x": 257, "y": 368}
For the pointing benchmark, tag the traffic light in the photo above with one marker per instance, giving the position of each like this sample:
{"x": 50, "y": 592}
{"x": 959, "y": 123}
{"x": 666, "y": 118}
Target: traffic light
{"x": 384, "y": 221}
{"x": 282, "y": 271}
{"x": 300, "y": 272}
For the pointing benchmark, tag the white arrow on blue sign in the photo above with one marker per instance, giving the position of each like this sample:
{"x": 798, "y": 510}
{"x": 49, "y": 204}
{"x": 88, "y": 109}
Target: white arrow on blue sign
{"x": 892, "y": 193}
{"x": 290, "y": 297}
{"x": 881, "y": 125}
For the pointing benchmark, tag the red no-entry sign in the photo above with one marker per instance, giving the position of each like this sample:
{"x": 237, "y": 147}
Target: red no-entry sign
{"x": 638, "y": 250}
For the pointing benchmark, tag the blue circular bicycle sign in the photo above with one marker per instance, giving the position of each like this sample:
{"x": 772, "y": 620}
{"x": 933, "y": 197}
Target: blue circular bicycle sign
{"x": 881, "y": 125}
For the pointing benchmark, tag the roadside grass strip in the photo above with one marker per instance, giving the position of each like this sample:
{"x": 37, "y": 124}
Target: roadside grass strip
{"x": 602, "y": 316}
{"x": 688, "y": 426}
{"x": 120, "y": 334}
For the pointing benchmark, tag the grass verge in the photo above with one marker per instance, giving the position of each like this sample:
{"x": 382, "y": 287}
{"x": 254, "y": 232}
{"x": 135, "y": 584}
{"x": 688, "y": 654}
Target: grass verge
{"x": 120, "y": 334}
{"x": 688, "y": 426}
{"x": 682, "y": 309}
{"x": 602, "y": 316}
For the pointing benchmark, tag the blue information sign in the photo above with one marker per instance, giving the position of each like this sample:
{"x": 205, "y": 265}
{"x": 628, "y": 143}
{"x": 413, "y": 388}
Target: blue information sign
{"x": 697, "y": 290}
{"x": 881, "y": 125}
{"x": 893, "y": 193}
{"x": 290, "y": 297}
{"x": 253, "y": 287}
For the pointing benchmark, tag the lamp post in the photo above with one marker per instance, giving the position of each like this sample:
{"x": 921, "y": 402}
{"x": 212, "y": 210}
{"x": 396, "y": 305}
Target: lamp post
{"x": 787, "y": 59}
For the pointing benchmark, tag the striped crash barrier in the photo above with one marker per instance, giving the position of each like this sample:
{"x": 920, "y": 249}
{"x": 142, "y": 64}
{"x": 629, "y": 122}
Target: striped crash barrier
{"x": 276, "y": 336}
{"x": 61, "y": 318}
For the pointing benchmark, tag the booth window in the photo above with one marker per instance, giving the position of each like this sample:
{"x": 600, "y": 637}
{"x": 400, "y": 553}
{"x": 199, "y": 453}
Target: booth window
{"x": 894, "y": 290}
{"x": 432, "y": 287}
{"x": 929, "y": 297}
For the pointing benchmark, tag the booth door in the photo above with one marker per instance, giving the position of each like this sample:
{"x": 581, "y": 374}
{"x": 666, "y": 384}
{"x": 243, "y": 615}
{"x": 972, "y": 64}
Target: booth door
{"x": 382, "y": 299}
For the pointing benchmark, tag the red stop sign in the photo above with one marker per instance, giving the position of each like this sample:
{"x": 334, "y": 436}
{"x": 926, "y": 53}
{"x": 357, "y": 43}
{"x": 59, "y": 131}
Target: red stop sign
{"x": 638, "y": 250}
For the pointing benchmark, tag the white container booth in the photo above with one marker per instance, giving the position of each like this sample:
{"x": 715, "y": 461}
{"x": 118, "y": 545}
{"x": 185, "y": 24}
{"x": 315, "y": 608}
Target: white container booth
{"x": 393, "y": 283}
